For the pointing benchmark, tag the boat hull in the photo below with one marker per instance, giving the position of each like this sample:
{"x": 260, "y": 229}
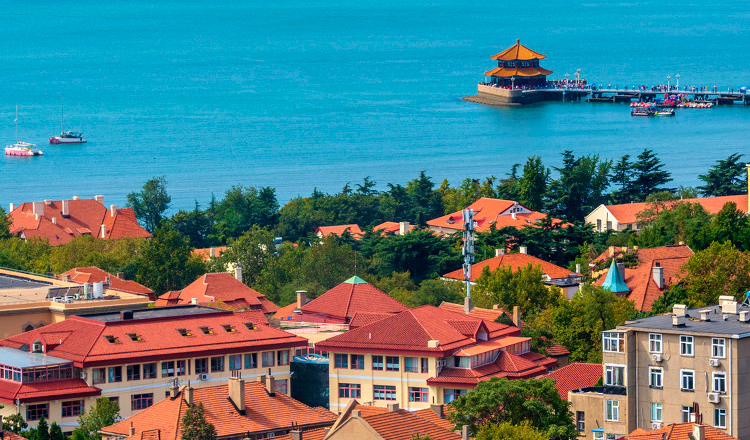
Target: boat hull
{"x": 62, "y": 140}
{"x": 25, "y": 152}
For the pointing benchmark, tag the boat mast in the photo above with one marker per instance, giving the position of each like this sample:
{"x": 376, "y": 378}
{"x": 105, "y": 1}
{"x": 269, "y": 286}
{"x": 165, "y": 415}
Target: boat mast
{"x": 16, "y": 121}
{"x": 62, "y": 113}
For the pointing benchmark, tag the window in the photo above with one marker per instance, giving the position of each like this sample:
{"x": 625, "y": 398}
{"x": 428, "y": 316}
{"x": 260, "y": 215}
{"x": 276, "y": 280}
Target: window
{"x": 613, "y": 410}
{"x": 655, "y": 412}
{"x": 718, "y": 347}
{"x": 99, "y": 375}
{"x": 251, "y": 360}
{"x": 411, "y": 364}
{"x": 111, "y": 339}
{"x": 449, "y": 395}
{"x": 228, "y": 328}
{"x": 282, "y": 386}
{"x": 135, "y": 337}
{"x": 358, "y": 361}
{"x": 384, "y": 392}
{"x": 217, "y": 364}
{"x": 613, "y": 342}
{"x": 655, "y": 377}
{"x": 350, "y": 390}
{"x": 598, "y": 435}
{"x": 235, "y": 361}
{"x": 36, "y": 412}
{"x": 184, "y": 332}
{"x": 201, "y": 366}
{"x": 267, "y": 359}
{"x": 580, "y": 421}
{"x": 687, "y": 380}
{"x": 417, "y": 394}
{"x": 686, "y": 345}
{"x": 654, "y": 342}
{"x": 377, "y": 362}
{"x": 114, "y": 374}
{"x": 133, "y": 372}
{"x": 116, "y": 400}
{"x": 167, "y": 369}
{"x": 687, "y": 412}
{"x": 206, "y": 330}
{"x": 720, "y": 382}
{"x": 425, "y": 365}
{"x": 391, "y": 363}
{"x": 614, "y": 375}
{"x": 181, "y": 367}
{"x": 282, "y": 357}
{"x": 149, "y": 371}
{"x": 73, "y": 408}
{"x": 340, "y": 360}
{"x": 141, "y": 401}
{"x": 720, "y": 418}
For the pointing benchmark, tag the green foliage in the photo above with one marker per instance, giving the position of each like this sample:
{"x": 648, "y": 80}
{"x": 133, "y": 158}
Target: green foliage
{"x": 456, "y": 199}
{"x": 507, "y": 288}
{"x": 420, "y": 437}
{"x": 250, "y": 252}
{"x": 55, "y": 432}
{"x": 110, "y": 255}
{"x": 4, "y": 224}
{"x": 105, "y": 412}
{"x": 150, "y": 203}
{"x": 196, "y": 225}
{"x": 532, "y": 187}
{"x": 648, "y": 176}
{"x": 242, "y": 208}
{"x": 195, "y": 426}
{"x": 500, "y": 400}
{"x": 666, "y": 222}
{"x": 726, "y": 178}
{"x": 675, "y": 294}
{"x": 721, "y": 269}
{"x": 14, "y": 423}
{"x": 30, "y": 255}
{"x": 580, "y": 187}
{"x": 421, "y": 253}
{"x": 508, "y": 431}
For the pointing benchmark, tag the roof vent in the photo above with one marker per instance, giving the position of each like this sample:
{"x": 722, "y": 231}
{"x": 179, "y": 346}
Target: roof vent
{"x": 499, "y": 252}
{"x": 48, "y": 202}
{"x": 76, "y": 198}
{"x": 433, "y": 343}
{"x": 194, "y": 301}
{"x": 36, "y": 347}
{"x": 679, "y": 310}
{"x": 744, "y": 316}
{"x": 678, "y": 321}
{"x": 99, "y": 198}
{"x": 704, "y": 314}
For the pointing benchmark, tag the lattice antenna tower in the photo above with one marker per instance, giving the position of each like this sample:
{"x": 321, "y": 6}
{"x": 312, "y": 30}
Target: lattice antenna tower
{"x": 468, "y": 253}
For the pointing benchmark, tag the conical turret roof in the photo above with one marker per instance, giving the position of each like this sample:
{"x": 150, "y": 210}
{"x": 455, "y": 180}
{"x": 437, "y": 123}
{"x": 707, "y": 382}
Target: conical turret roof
{"x": 614, "y": 281}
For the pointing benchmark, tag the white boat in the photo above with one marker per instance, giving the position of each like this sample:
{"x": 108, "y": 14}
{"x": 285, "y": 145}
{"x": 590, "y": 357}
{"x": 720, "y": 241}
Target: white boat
{"x": 21, "y": 148}
{"x": 66, "y": 137}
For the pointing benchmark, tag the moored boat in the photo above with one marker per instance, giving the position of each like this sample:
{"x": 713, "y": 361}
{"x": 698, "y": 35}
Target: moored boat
{"x": 21, "y": 148}
{"x": 641, "y": 111}
{"x": 66, "y": 137}
{"x": 664, "y": 112}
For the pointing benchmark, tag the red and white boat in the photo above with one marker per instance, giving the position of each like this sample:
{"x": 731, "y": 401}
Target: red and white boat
{"x": 66, "y": 137}
{"x": 21, "y": 148}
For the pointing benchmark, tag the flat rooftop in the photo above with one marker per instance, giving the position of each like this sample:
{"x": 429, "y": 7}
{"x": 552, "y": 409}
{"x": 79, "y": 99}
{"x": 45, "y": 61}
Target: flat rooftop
{"x": 24, "y": 359}
{"x": 16, "y": 288}
{"x": 154, "y": 313}
{"x": 718, "y": 323}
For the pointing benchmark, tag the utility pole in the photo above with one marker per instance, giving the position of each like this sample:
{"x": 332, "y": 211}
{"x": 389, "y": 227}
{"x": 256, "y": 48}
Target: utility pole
{"x": 468, "y": 253}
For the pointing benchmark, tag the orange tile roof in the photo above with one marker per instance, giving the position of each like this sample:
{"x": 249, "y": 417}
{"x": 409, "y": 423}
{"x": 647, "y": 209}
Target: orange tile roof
{"x": 86, "y": 218}
{"x": 679, "y": 431}
{"x": 352, "y": 296}
{"x": 518, "y": 52}
{"x": 339, "y": 230}
{"x": 640, "y": 281}
{"x": 92, "y": 274}
{"x": 361, "y": 319}
{"x": 205, "y": 253}
{"x": 628, "y": 212}
{"x": 10, "y": 392}
{"x": 212, "y": 288}
{"x": 574, "y": 376}
{"x": 511, "y": 366}
{"x": 7, "y": 435}
{"x": 403, "y": 425}
{"x": 284, "y": 312}
{"x": 477, "y": 312}
{"x": 263, "y": 413}
{"x": 506, "y": 72}
{"x": 515, "y": 262}
{"x": 489, "y": 211}
{"x": 394, "y": 227}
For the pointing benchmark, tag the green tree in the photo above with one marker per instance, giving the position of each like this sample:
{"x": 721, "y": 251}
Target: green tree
{"x": 242, "y": 208}
{"x": 675, "y": 294}
{"x": 500, "y": 400}
{"x": 726, "y": 178}
{"x": 421, "y": 253}
{"x": 666, "y": 222}
{"x": 14, "y": 423}
{"x": 165, "y": 262}
{"x": 580, "y": 186}
{"x": 509, "y": 288}
{"x": 55, "y": 432}
{"x": 721, "y": 269}
{"x": 731, "y": 224}
{"x": 42, "y": 430}
{"x": 508, "y": 187}
{"x": 5, "y": 222}
{"x": 508, "y": 431}
{"x": 197, "y": 225}
{"x": 532, "y": 186}
{"x": 110, "y": 255}
{"x": 195, "y": 426}
{"x": 150, "y": 203}
{"x": 648, "y": 176}
{"x": 105, "y": 412}
{"x": 620, "y": 178}
{"x": 250, "y": 252}
{"x": 424, "y": 202}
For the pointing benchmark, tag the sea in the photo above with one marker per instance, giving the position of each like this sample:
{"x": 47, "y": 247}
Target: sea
{"x": 306, "y": 94}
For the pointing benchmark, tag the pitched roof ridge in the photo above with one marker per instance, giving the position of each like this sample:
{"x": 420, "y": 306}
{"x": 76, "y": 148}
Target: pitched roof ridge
{"x": 178, "y": 424}
{"x": 349, "y": 301}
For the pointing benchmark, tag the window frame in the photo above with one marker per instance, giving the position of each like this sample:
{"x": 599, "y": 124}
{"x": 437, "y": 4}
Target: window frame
{"x": 451, "y": 394}
{"x": 235, "y": 362}
{"x": 217, "y": 364}
{"x": 612, "y": 372}
{"x": 141, "y": 401}
{"x": 421, "y": 393}
{"x": 348, "y": 391}
{"x": 612, "y": 340}
{"x": 74, "y": 408}
{"x": 36, "y": 411}
{"x": 425, "y": 365}
{"x": 98, "y": 375}
{"x": 378, "y": 363}
{"x": 384, "y": 392}
{"x": 612, "y": 410}
{"x": 719, "y": 376}
{"x": 657, "y": 412}
{"x": 151, "y": 369}
{"x": 341, "y": 360}
{"x": 133, "y": 372}
{"x": 114, "y": 374}
{"x": 580, "y": 421}
{"x": 411, "y": 364}
{"x": 687, "y": 341}
{"x": 268, "y": 359}
{"x": 655, "y": 339}
{"x": 656, "y": 372}
{"x": 201, "y": 365}
{"x": 250, "y": 361}
{"x": 720, "y": 418}
{"x": 357, "y": 362}
{"x": 282, "y": 358}
{"x": 168, "y": 369}
{"x": 683, "y": 375}
{"x": 392, "y": 363}
{"x": 719, "y": 343}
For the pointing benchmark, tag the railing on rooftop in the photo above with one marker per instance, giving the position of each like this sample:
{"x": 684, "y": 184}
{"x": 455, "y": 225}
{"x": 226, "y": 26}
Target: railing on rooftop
{"x": 312, "y": 327}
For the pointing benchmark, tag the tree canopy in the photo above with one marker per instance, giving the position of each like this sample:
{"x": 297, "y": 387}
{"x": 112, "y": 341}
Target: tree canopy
{"x": 195, "y": 426}
{"x": 150, "y": 204}
{"x": 103, "y": 413}
{"x": 726, "y": 178}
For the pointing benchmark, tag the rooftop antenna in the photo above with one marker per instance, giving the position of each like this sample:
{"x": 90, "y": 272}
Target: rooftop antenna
{"x": 746, "y": 302}
{"x": 468, "y": 253}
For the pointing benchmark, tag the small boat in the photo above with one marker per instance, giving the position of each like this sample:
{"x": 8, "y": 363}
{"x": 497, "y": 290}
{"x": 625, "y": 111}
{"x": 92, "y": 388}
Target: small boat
{"x": 66, "y": 137}
{"x": 641, "y": 111}
{"x": 21, "y": 148}
{"x": 664, "y": 112}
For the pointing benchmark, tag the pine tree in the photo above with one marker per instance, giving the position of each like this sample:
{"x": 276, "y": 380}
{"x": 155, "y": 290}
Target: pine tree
{"x": 648, "y": 176}
{"x": 195, "y": 426}
{"x": 726, "y": 178}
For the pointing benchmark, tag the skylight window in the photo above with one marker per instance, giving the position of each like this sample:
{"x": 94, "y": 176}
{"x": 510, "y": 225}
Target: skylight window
{"x": 250, "y": 326}
{"x": 206, "y": 330}
{"x": 135, "y": 337}
{"x": 228, "y": 328}
{"x": 111, "y": 339}
{"x": 184, "y": 332}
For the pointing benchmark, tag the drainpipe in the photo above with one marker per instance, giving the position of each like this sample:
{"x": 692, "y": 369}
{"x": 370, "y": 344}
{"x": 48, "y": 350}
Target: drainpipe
{"x": 729, "y": 386}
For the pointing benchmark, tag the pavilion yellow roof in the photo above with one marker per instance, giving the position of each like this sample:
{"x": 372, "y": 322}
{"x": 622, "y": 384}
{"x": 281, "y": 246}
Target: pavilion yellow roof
{"x": 517, "y": 71}
{"x": 518, "y": 52}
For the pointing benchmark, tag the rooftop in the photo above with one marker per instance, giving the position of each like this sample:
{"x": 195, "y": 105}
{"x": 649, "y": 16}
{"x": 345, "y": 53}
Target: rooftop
{"x": 679, "y": 431}
{"x": 352, "y": 296}
{"x": 628, "y": 212}
{"x": 574, "y": 376}
{"x": 24, "y": 359}
{"x": 92, "y": 274}
{"x": 154, "y": 313}
{"x": 518, "y": 52}
{"x": 717, "y": 323}
{"x": 354, "y": 230}
{"x": 488, "y": 212}
{"x": 515, "y": 261}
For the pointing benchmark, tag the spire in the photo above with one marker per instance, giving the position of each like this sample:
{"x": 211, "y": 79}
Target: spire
{"x": 614, "y": 281}
{"x": 355, "y": 280}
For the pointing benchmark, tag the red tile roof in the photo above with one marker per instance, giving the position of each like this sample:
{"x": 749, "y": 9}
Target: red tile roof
{"x": 477, "y": 312}
{"x": 489, "y": 211}
{"x": 393, "y": 227}
{"x": 216, "y": 288}
{"x": 361, "y": 319}
{"x": 352, "y": 296}
{"x": 263, "y": 413}
{"x": 643, "y": 289}
{"x": 284, "y": 312}
{"x": 82, "y": 340}
{"x": 628, "y": 212}
{"x": 45, "y": 391}
{"x": 205, "y": 253}
{"x": 86, "y": 218}
{"x": 92, "y": 274}
{"x": 574, "y": 376}
{"x": 404, "y": 425}
{"x": 339, "y": 230}
{"x": 515, "y": 262}
{"x": 512, "y": 366}
{"x": 7, "y": 435}
{"x": 679, "y": 431}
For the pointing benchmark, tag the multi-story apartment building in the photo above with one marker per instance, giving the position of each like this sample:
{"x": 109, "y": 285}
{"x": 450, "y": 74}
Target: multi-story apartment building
{"x": 424, "y": 356}
{"x": 134, "y": 357}
{"x": 690, "y": 365}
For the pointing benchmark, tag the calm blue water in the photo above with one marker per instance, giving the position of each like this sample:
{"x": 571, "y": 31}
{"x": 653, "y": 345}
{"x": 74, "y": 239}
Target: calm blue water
{"x": 315, "y": 93}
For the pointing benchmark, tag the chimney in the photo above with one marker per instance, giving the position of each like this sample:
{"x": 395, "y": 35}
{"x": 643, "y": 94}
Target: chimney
{"x": 99, "y": 198}
{"x": 578, "y": 267}
{"x": 392, "y": 407}
{"x": 261, "y": 378}
{"x": 301, "y": 298}
{"x": 522, "y": 249}
{"x": 189, "y": 395}
{"x": 437, "y": 409}
{"x": 468, "y": 305}
{"x": 65, "y": 208}
{"x": 271, "y": 385}
{"x": 704, "y": 314}
{"x": 237, "y": 393}
{"x": 121, "y": 275}
{"x": 54, "y": 220}
{"x": 517, "y": 316}
{"x": 104, "y": 231}
{"x": 678, "y": 321}
{"x": 194, "y": 301}
{"x": 499, "y": 252}
{"x": 48, "y": 202}
{"x": 37, "y": 208}
{"x": 131, "y": 431}
{"x": 513, "y": 215}
{"x": 744, "y": 316}
{"x": 465, "y": 432}
{"x": 403, "y": 228}
{"x": 65, "y": 277}
{"x": 112, "y": 210}
{"x": 76, "y": 198}
{"x": 679, "y": 310}
{"x": 12, "y": 207}
{"x": 495, "y": 306}
{"x": 238, "y": 273}
{"x": 658, "y": 273}
{"x": 212, "y": 252}
{"x": 621, "y": 269}
{"x": 433, "y": 343}
{"x": 107, "y": 280}
{"x": 173, "y": 391}
{"x": 295, "y": 434}
{"x": 699, "y": 432}
{"x": 611, "y": 251}
{"x": 356, "y": 413}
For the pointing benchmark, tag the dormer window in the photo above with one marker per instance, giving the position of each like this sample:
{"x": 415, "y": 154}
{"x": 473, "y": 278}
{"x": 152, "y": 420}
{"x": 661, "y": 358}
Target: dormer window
{"x": 206, "y": 330}
{"x": 250, "y": 326}
{"x": 228, "y": 328}
{"x": 135, "y": 337}
{"x": 111, "y": 339}
{"x": 184, "y": 332}
{"x": 37, "y": 347}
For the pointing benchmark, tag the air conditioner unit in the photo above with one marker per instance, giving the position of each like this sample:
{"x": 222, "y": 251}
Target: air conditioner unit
{"x": 655, "y": 425}
{"x": 83, "y": 375}
{"x": 714, "y": 397}
{"x": 204, "y": 376}
{"x": 656, "y": 357}
{"x": 713, "y": 362}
